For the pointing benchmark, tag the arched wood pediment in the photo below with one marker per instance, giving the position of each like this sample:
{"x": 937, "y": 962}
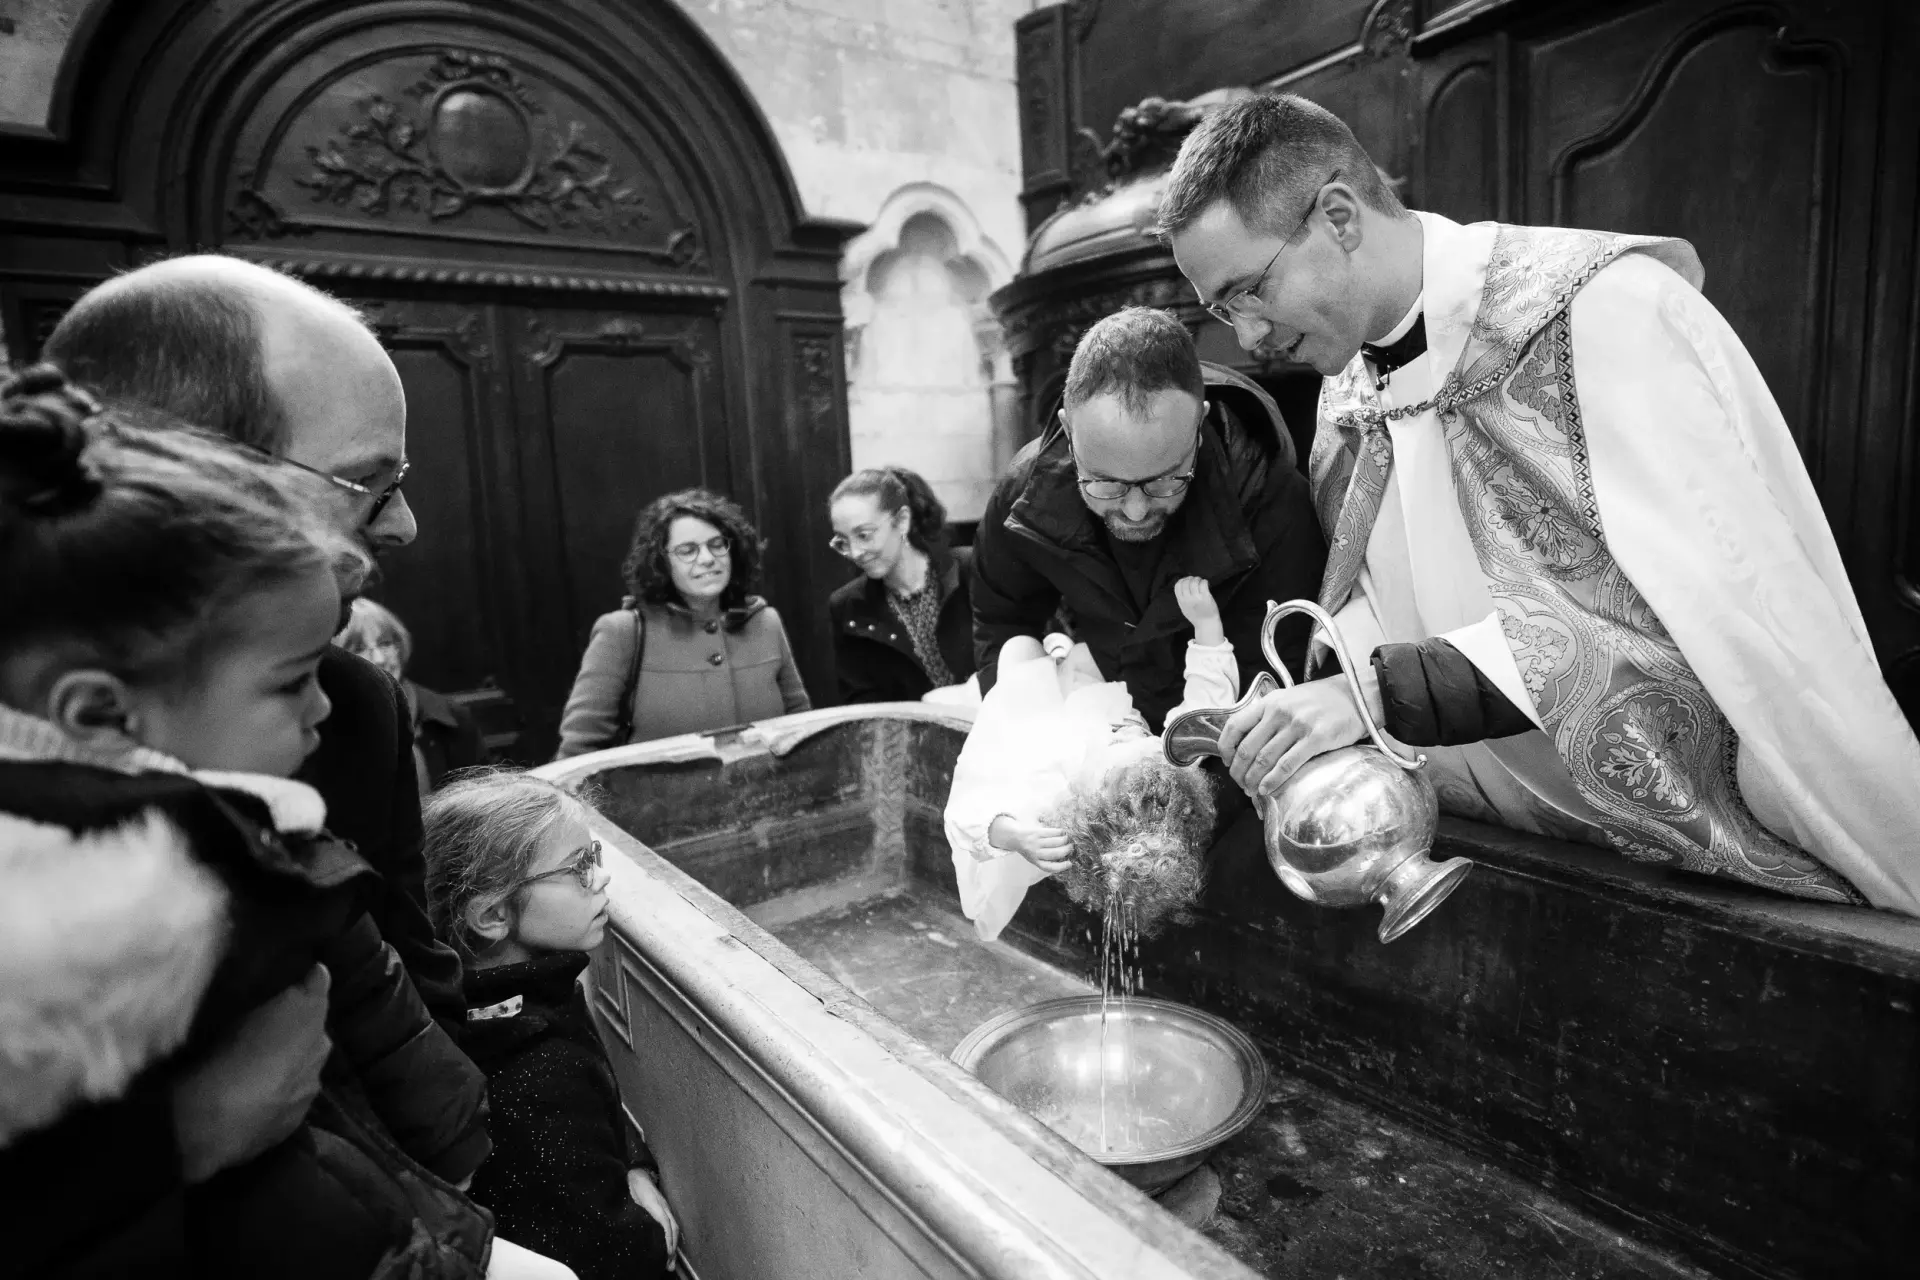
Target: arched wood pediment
{"x": 181, "y": 87}
{"x": 479, "y": 146}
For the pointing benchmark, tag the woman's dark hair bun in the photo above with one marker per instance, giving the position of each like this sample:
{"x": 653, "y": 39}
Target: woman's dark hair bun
{"x": 43, "y": 444}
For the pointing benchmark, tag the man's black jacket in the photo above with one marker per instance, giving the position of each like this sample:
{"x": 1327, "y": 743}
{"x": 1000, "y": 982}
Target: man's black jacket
{"x": 364, "y": 770}
{"x": 1247, "y": 526}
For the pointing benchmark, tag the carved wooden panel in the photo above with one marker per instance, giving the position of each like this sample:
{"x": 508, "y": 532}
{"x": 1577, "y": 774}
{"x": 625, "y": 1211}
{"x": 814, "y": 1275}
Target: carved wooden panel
{"x": 448, "y": 585}
{"x": 1458, "y": 141}
{"x": 615, "y": 408}
{"x": 1724, "y": 130}
{"x": 1042, "y": 45}
{"x": 457, "y": 141}
{"x": 1181, "y": 48}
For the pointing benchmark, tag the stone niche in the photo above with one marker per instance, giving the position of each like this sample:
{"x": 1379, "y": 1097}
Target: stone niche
{"x": 929, "y": 382}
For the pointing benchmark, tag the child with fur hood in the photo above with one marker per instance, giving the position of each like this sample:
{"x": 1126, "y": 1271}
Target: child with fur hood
{"x": 162, "y": 877}
{"x": 1061, "y": 776}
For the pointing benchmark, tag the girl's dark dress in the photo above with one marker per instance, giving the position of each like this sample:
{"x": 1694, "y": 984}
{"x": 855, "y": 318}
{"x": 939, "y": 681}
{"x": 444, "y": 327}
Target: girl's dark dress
{"x": 557, "y": 1179}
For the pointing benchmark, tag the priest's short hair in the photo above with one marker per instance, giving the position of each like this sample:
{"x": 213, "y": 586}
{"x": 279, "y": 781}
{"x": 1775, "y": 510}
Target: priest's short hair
{"x": 1268, "y": 156}
{"x": 1135, "y": 353}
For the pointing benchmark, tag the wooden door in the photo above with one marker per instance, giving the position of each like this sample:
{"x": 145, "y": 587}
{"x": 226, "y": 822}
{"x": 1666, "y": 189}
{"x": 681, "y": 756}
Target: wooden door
{"x": 536, "y": 434}
{"x": 611, "y": 409}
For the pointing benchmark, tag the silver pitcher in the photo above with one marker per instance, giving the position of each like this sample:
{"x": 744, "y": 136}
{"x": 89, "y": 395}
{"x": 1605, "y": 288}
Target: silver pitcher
{"x": 1352, "y": 826}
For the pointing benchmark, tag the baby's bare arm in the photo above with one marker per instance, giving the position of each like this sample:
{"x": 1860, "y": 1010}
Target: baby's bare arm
{"x": 1196, "y": 602}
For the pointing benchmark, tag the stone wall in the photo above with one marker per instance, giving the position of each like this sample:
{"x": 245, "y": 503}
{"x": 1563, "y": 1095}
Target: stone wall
{"x": 901, "y": 114}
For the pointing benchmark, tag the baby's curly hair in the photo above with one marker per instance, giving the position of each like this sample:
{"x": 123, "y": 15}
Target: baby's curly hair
{"x": 1137, "y": 842}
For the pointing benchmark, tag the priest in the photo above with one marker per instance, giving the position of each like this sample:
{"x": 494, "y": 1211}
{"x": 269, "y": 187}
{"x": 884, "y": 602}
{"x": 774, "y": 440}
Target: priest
{"x": 1566, "y": 519}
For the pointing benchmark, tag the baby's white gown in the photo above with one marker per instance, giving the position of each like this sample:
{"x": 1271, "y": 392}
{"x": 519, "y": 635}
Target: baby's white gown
{"x": 1045, "y": 729}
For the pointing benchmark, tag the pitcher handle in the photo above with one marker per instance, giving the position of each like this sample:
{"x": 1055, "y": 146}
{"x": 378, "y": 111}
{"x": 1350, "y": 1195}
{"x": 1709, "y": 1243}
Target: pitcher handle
{"x": 1324, "y": 621}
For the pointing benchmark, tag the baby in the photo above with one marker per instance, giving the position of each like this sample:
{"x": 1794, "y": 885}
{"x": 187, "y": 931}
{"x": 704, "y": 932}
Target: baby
{"x": 1061, "y": 776}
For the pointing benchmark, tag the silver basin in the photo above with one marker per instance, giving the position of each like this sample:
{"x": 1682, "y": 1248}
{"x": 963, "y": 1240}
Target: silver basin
{"x": 1178, "y": 1082}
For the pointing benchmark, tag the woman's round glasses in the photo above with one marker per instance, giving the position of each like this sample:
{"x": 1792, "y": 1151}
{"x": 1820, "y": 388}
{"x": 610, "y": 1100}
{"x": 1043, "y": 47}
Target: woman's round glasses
{"x": 580, "y": 866}
{"x": 864, "y": 538}
{"x": 687, "y": 552}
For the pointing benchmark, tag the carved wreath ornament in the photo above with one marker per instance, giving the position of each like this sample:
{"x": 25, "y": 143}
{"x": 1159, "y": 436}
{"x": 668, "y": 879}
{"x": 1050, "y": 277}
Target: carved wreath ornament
{"x": 476, "y": 139}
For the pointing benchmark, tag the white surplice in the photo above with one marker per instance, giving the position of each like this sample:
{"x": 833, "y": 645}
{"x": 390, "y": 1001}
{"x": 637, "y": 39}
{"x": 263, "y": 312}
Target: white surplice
{"x": 1708, "y": 510}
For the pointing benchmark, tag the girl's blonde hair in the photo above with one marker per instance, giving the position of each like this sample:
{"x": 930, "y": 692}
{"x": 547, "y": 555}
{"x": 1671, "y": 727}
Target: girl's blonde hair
{"x": 129, "y": 540}
{"x": 1137, "y": 842}
{"x": 481, "y": 831}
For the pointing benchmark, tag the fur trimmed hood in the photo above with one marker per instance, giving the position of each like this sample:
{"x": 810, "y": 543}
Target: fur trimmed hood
{"x": 108, "y": 941}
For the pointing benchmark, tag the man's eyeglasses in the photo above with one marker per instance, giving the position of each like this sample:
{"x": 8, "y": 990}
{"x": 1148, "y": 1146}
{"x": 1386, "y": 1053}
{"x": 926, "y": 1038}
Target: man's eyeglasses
{"x": 581, "y": 866}
{"x": 1169, "y": 486}
{"x": 381, "y": 496}
{"x": 687, "y": 552}
{"x": 1158, "y": 487}
{"x": 1246, "y": 303}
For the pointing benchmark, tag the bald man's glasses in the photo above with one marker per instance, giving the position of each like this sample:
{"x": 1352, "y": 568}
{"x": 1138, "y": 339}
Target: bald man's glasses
{"x": 381, "y": 496}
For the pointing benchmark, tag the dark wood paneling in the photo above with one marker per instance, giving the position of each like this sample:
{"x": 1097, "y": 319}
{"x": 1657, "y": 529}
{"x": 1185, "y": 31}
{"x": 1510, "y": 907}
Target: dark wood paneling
{"x": 628, "y": 414}
{"x": 1460, "y": 163}
{"x": 1178, "y": 49}
{"x": 447, "y": 587}
{"x": 1725, "y": 132}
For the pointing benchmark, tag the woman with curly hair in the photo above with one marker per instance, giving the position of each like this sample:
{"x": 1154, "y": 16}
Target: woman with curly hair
{"x": 690, "y": 647}
{"x": 1061, "y": 776}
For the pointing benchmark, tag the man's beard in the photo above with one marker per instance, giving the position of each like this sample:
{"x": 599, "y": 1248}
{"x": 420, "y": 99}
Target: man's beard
{"x": 1124, "y": 530}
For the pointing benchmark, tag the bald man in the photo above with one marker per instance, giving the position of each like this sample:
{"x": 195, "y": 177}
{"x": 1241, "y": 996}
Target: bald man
{"x": 237, "y": 349}
{"x": 258, "y": 357}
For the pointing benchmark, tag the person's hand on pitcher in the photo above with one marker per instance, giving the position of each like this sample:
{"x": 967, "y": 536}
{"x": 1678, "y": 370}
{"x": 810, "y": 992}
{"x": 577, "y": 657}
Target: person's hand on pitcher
{"x": 1265, "y": 743}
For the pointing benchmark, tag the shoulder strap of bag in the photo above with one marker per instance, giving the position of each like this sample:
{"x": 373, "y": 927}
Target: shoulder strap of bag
{"x": 623, "y": 727}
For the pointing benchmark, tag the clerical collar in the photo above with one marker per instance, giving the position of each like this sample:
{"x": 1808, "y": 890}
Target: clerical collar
{"x": 1404, "y": 343}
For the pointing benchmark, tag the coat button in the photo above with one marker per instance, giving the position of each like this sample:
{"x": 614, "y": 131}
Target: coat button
{"x": 713, "y": 628}
{"x": 717, "y": 659}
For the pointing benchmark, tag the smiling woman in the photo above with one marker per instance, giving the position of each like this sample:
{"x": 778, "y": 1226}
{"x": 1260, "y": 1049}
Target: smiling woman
{"x": 691, "y": 647}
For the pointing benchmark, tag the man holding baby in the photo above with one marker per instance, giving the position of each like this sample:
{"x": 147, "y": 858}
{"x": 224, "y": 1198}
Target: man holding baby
{"x": 1159, "y": 468}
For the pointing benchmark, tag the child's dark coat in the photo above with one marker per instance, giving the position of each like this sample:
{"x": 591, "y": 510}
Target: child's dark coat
{"x": 557, "y": 1179}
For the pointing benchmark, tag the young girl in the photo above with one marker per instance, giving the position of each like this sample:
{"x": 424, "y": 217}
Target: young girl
{"x": 515, "y": 884}
{"x": 167, "y": 602}
{"x": 1061, "y": 776}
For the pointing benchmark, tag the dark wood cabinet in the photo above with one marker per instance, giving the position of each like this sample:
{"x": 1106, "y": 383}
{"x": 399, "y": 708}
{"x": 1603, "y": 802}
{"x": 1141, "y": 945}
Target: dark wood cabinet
{"x": 570, "y": 226}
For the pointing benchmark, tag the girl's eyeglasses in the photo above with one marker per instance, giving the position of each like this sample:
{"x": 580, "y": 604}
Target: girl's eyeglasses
{"x": 687, "y": 552}
{"x": 580, "y": 866}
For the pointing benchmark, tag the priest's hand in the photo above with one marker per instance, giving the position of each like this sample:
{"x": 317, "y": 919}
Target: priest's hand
{"x": 1266, "y": 743}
